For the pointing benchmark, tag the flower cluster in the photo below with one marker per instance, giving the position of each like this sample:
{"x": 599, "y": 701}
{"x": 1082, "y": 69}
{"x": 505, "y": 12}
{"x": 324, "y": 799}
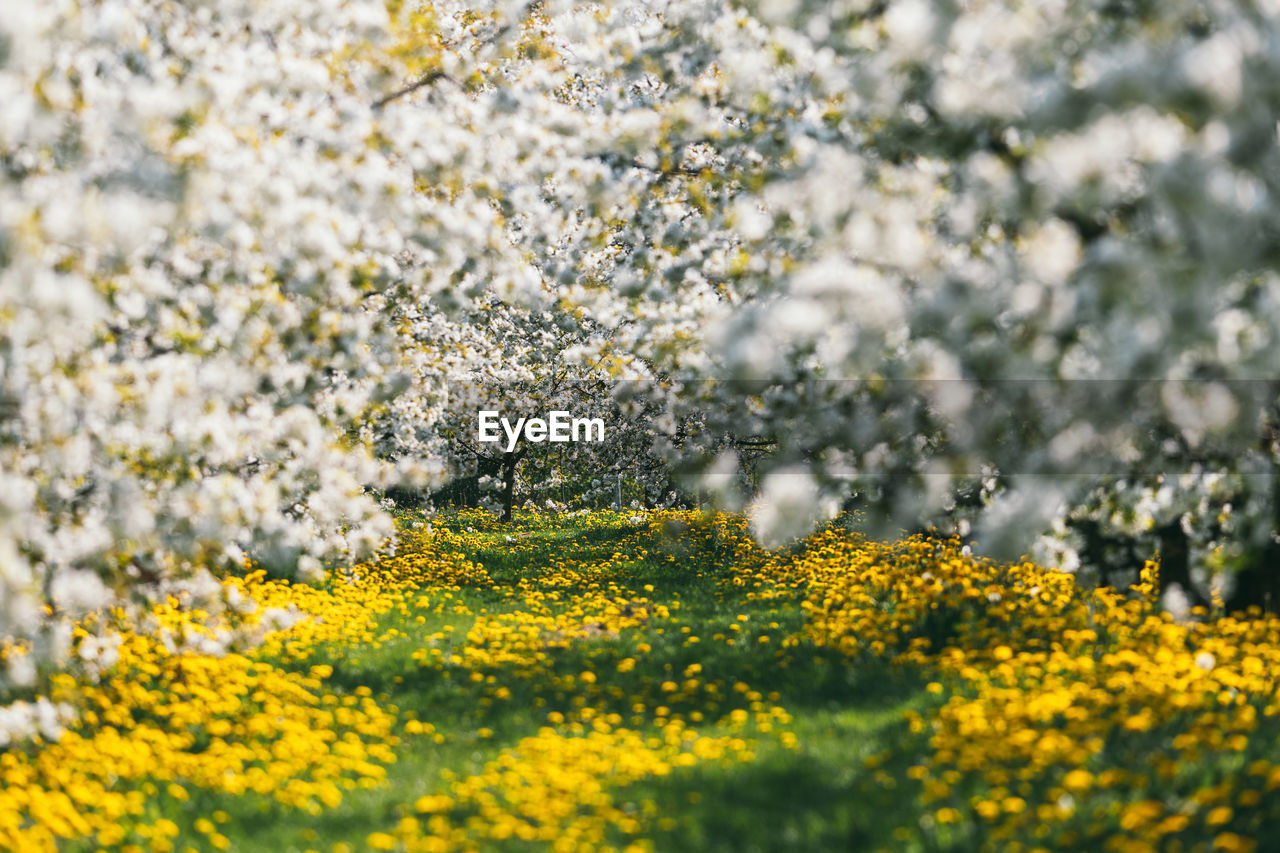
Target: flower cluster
{"x": 1073, "y": 718}
{"x": 176, "y": 713}
{"x": 557, "y": 787}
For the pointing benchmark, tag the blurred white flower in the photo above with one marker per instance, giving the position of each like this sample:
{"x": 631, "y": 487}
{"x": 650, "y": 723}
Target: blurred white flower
{"x": 788, "y": 506}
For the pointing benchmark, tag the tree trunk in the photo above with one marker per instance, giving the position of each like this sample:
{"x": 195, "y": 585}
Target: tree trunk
{"x": 1175, "y": 563}
{"x": 508, "y": 485}
{"x": 1258, "y": 583}
{"x": 510, "y": 462}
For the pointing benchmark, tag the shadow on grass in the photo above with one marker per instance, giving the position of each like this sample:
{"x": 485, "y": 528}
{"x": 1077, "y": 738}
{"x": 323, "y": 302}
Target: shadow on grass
{"x": 778, "y": 803}
{"x": 821, "y": 796}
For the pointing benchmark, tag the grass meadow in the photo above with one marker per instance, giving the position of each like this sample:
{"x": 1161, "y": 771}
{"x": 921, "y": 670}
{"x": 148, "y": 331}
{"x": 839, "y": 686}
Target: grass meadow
{"x": 654, "y": 681}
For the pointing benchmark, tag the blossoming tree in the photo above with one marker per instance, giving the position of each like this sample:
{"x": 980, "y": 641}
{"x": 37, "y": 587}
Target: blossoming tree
{"x": 1006, "y": 265}
{"x": 1035, "y": 245}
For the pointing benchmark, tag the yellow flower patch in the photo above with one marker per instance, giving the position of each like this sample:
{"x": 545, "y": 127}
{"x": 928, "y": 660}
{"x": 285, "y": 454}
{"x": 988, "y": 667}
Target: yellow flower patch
{"x": 1079, "y": 718}
{"x": 559, "y": 788}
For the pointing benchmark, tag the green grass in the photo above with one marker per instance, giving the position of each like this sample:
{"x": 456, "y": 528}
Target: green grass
{"x": 819, "y": 795}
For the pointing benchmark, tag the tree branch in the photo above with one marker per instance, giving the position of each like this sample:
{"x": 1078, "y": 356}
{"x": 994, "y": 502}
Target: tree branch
{"x": 429, "y": 79}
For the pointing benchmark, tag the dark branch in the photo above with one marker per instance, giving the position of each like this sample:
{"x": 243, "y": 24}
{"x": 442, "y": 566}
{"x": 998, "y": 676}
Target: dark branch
{"x": 429, "y": 79}
{"x": 754, "y": 442}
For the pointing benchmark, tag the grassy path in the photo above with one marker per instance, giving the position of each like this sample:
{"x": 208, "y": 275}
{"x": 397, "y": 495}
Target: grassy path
{"x": 592, "y": 629}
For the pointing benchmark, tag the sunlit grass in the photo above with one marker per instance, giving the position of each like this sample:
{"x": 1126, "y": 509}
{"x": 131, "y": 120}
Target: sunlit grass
{"x": 611, "y": 681}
